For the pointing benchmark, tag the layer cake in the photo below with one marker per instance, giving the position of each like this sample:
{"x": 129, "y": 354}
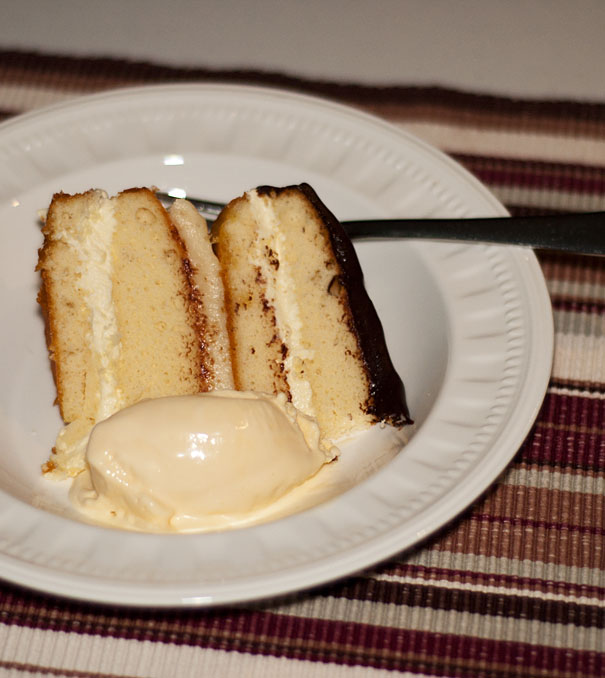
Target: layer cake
{"x": 133, "y": 305}
{"x": 299, "y": 317}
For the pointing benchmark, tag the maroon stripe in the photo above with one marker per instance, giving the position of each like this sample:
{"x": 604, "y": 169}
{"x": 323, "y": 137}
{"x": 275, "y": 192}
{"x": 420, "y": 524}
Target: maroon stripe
{"x": 514, "y": 604}
{"x": 532, "y": 175}
{"x": 573, "y": 267}
{"x": 529, "y": 179}
{"x": 568, "y": 434}
{"x": 529, "y": 523}
{"x": 547, "y": 168}
{"x": 584, "y": 415}
{"x": 577, "y": 305}
{"x": 562, "y": 458}
{"x": 5, "y": 113}
{"x": 569, "y": 259}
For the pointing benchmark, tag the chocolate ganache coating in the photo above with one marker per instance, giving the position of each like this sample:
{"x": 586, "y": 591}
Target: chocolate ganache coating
{"x": 387, "y": 400}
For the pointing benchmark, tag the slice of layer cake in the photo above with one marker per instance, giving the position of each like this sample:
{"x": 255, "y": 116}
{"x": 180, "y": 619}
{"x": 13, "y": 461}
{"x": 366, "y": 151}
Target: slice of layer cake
{"x": 134, "y": 309}
{"x": 299, "y": 318}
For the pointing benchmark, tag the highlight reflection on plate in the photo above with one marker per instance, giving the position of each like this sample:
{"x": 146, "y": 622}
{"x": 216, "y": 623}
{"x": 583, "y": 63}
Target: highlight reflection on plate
{"x": 469, "y": 328}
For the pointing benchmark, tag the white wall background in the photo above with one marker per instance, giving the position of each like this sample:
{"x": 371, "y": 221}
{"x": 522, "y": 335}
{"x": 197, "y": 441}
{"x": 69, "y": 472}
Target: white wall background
{"x": 535, "y": 48}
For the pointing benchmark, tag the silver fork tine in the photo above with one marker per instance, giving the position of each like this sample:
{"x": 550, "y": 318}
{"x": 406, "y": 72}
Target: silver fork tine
{"x": 209, "y": 209}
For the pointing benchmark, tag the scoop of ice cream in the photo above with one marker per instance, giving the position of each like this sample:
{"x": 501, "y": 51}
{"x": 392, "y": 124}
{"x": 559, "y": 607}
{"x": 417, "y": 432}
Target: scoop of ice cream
{"x": 178, "y": 463}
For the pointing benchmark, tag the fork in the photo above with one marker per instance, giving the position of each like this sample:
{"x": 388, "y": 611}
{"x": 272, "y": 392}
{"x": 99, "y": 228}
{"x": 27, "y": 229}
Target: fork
{"x": 582, "y": 232}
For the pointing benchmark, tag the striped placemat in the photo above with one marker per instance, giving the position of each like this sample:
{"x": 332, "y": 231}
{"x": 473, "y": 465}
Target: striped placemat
{"x": 516, "y": 585}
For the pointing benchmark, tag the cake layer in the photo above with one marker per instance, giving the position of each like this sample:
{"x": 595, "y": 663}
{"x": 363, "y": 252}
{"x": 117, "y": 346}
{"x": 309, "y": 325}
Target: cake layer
{"x": 76, "y": 276}
{"x": 299, "y": 317}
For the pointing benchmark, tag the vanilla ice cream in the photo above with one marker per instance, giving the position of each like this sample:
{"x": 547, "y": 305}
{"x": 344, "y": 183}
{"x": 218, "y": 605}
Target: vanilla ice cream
{"x": 188, "y": 463}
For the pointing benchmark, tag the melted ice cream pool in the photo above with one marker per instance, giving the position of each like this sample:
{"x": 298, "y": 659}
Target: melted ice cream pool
{"x": 194, "y": 463}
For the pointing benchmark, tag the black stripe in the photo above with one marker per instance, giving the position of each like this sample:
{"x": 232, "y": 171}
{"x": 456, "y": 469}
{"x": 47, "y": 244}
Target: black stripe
{"x": 145, "y": 71}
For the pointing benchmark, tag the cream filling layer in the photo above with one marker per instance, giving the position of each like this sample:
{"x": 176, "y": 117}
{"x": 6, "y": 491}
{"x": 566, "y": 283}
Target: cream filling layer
{"x": 281, "y": 295}
{"x": 92, "y": 246}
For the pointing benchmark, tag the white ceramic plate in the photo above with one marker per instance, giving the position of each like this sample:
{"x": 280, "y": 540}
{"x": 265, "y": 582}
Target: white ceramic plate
{"x": 469, "y": 328}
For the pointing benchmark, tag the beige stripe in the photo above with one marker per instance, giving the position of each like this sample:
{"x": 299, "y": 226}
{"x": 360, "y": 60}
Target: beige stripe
{"x": 585, "y": 290}
{"x": 574, "y": 482}
{"x": 491, "y": 590}
{"x": 554, "y": 572}
{"x": 114, "y": 656}
{"x": 20, "y": 98}
{"x": 579, "y": 357}
{"x": 555, "y": 199}
{"x": 545, "y": 147}
{"x": 580, "y": 324}
{"x": 594, "y": 395}
{"x": 514, "y": 630}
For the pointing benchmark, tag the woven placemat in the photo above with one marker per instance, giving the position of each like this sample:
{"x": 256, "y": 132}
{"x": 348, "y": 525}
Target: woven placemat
{"x": 516, "y": 585}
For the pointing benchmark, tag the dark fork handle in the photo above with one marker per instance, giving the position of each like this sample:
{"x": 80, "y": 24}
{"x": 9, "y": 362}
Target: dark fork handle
{"x": 582, "y": 232}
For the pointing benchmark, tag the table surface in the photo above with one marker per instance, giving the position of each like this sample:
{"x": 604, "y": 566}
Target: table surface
{"x": 516, "y": 585}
